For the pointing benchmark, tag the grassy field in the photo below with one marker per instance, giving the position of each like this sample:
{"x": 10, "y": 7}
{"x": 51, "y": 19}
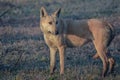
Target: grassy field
{"x": 24, "y": 54}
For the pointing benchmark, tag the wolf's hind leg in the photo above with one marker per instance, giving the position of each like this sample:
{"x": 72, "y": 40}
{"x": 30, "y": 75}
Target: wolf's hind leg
{"x": 101, "y": 50}
{"x": 111, "y": 64}
{"x": 96, "y": 56}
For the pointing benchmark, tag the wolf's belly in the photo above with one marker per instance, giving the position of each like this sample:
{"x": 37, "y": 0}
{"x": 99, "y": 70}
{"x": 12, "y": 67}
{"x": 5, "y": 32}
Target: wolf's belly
{"x": 74, "y": 41}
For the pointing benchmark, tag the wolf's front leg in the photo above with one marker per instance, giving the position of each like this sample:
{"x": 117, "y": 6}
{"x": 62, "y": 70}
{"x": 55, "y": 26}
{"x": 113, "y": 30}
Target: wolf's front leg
{"x": 52, "y": 59}
{"x": 61, "y": 54}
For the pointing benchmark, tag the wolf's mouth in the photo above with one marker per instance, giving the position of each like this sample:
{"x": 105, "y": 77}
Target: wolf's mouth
{"x": 54, "y": 33}
{"x": 49, "y": 32}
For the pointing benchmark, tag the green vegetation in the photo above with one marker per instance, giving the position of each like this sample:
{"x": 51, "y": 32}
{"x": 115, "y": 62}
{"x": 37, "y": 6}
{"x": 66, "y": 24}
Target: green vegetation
{"x": 23, "y": 53}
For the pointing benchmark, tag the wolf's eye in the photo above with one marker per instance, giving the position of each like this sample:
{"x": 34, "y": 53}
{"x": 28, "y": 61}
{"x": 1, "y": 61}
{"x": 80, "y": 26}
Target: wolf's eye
{"x": 50, "y": 23}
{"x": 56, "y": 22}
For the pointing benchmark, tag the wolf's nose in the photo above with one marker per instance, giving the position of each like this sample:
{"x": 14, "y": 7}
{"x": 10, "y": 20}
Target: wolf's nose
{"x": 56, "y": 33}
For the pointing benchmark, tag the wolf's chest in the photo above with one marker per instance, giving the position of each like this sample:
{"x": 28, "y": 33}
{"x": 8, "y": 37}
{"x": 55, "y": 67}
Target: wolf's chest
{"x": 53, "y": 41}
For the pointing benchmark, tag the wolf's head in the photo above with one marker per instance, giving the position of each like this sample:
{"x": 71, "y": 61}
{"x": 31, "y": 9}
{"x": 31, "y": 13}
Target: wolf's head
{"x": 49, "y": 23}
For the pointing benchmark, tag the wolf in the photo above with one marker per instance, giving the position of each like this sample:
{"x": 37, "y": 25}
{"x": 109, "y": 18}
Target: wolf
{"x": 62, "y": 33}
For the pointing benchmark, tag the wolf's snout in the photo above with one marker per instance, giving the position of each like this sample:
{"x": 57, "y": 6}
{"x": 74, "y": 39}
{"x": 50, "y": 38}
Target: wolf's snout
{"x": 56, "y": 32}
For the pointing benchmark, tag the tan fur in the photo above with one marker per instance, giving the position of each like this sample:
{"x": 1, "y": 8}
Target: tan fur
{"x": 59, "y": 34}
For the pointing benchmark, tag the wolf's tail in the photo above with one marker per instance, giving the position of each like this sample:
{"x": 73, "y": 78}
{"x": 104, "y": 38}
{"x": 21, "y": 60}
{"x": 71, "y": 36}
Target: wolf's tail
{"x": 112, "y": 33}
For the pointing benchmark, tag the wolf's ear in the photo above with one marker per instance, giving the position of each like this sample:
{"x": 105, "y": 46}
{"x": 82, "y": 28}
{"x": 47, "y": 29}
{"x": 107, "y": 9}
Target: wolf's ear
{"x": 43, "y": 12}
{"x": 57, "y": 13}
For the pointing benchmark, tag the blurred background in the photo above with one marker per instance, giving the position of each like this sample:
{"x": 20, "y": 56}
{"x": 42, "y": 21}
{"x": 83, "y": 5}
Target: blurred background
{"x": 25, "y": 11}
{"x": 23, "y": 53}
